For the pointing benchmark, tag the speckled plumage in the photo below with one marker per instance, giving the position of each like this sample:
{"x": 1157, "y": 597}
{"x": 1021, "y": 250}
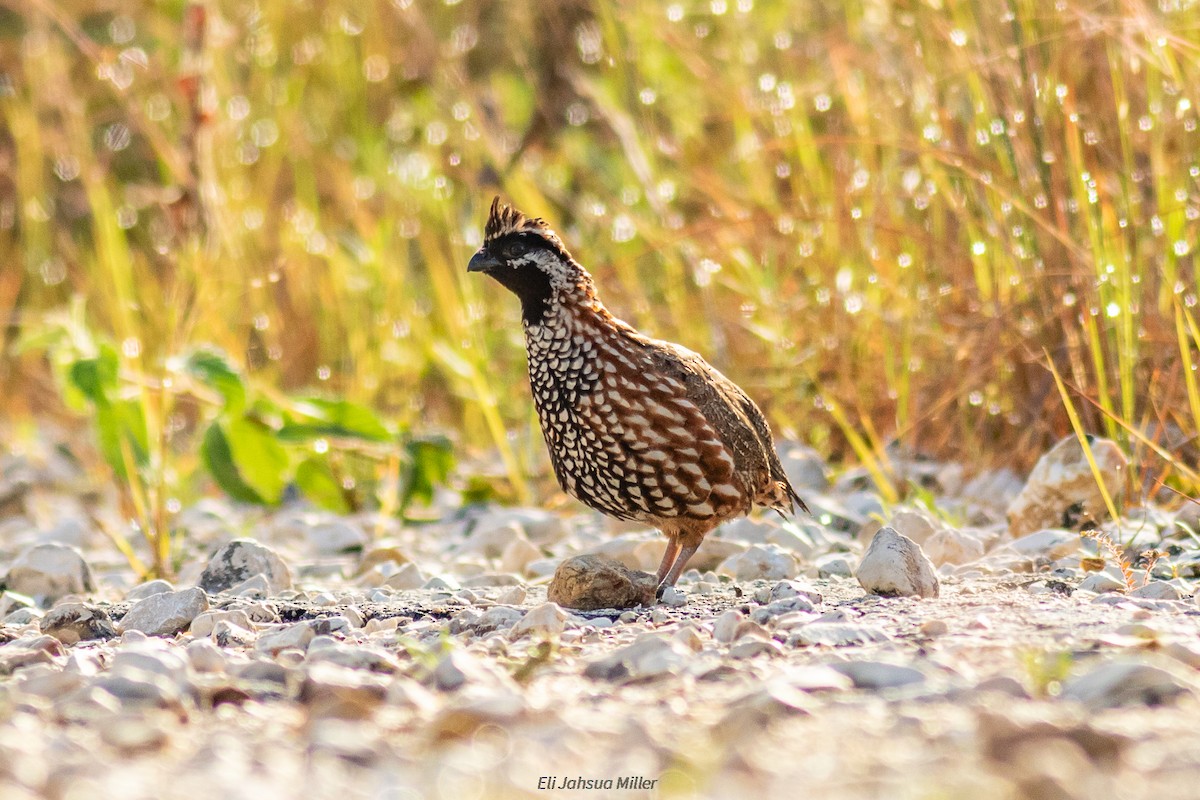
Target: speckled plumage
{"x": 636, "y": 428}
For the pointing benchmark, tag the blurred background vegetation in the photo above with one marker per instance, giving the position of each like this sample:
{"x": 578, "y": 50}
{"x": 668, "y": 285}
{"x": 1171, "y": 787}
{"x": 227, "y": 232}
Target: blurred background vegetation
{"x": 884, "y": 218}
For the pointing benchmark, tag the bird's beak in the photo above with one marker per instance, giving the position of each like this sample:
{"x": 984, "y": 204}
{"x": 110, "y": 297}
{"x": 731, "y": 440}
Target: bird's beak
{"x": 483, "y": 261}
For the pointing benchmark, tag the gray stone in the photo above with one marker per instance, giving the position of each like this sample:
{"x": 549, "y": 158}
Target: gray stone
{"x": 1129, "y": 682}
{"x": 241, "y": 560}
{"x": 167, "y": 613}
{"x": 650, "y": 656}
{"x": 834, "y": 565}
{"x": 589, "y": 582}
{"x": 837, "y": 634}
{"x": 48, "y": 572}
{"x": 804, "y": 466}
{"x": 895, "y": 566}
{"x": 878, "y": 674}
{"x": 144, "y": 590}
{"x": 673, "y": 597}
{"x": 1048, "y": 542}
{"x": 76, "y": 622}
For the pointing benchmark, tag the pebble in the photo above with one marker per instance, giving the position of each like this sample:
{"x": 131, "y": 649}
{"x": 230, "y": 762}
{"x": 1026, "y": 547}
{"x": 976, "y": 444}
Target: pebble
{"x": 1158, "y": 590}
{"x": 337, "y": 537}
{"x": 950, "y": 546}
{"x": 760, "y": 562}
{"x": 1100, "y": 582}
{"x": 49, "y": 571}
{"x": 296, "y": 635}
{"x": 518, "y": 555}
{"x": 650, "y": 656}
{"x": 1062, "y": 490}
{"x": 243, "y": 559}
{"x": 673, "y": 597}
{"x": 837, "y": 634}
{"x": 144, "y": 590}
{"x": 1048, "y": 542}
{"x": 547, "y": 620}
{"x": 165, "y": 613}
{"x": 513, "y": 596}
{"x": 1130, "y": 682}
{"x": 834, "y": 565}
{"x": 590, "y": 582}
{"x": 75, "y": 622}
{"x": 407, "y": 578}
{"x": 895, "y": 566}
{"x": 878, "y": 674}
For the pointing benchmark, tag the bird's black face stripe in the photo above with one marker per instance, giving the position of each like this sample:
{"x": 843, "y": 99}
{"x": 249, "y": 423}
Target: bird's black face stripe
{"x": 526, "y": 280}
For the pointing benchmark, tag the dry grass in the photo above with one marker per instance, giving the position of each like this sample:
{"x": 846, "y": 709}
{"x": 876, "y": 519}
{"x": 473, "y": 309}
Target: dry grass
{"x": 877, "y": 217}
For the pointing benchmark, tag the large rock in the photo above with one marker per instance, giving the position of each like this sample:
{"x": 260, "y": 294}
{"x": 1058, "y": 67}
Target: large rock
{"x": 589, "y": 582}
{"x": 1062, "y": 491}
{"x": 241, "y": 560}
{"x": 895, "y": 566}
{"x": 166, "y": 613}
{"x": 77, "y": 622}
{"x": 48, "y": 572}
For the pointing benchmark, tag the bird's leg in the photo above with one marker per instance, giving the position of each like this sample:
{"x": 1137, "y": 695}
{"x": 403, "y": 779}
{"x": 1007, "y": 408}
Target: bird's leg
{"x": 668, "y": 557}
{"x": 685, "y": 552}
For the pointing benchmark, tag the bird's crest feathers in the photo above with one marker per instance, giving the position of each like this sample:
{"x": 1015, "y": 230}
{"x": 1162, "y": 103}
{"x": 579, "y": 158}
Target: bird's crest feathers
{"x": 504, "y": 220}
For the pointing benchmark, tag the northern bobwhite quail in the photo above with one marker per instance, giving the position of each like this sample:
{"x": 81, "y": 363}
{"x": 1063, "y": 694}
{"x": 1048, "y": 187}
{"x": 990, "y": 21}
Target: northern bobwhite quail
{"x": 637, "y": 428}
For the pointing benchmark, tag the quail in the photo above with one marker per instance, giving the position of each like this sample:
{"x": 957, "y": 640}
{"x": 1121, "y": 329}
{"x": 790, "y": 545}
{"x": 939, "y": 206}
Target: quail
{"x": 637, "y": 428}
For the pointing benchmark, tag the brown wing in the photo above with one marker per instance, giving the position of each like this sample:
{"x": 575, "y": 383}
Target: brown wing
{"x": 738, "y": 421}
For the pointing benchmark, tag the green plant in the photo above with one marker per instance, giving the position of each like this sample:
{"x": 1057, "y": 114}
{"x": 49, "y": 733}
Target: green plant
{"x": 254, "y": 443}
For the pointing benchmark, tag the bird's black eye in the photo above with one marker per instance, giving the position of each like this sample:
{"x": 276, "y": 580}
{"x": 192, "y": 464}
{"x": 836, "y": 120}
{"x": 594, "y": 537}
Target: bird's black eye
{"x": 515, "y": 249}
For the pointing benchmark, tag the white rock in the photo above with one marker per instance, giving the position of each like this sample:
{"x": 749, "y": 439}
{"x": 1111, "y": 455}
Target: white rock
{"x": 202, "y": 626}
{"x": 256, "y": 586}
{"x": 204, "y": 656}
{"x": 760, "y": 562}
{"x": 1100, "y": 582}
{"x": 837, "y": 634}
{"x": 546, "y": 620}
{"x": 48, "y": 572}
{"x": 834, "y": 565}
{"x": 407, "y": 578}
{"x": 916, "y": 524}
{"x": 512, "y": 596}
{"x": 1062, "y": 489}
{"x": 1157, "y": 590}
{"x": 490, "y": 541}
{"x": 726, "y": 625}
{"x": 950, "y": 546}
{"x": 144, "y": 590}
{"x": 296, "y": 635}
{"x": 895, "y": 566}
{"x": 336, "y": 537}
{"x": 650, "y": 656}
{"x": 241, "y": 560}
{"x": 166, "y": 613}
{"x": 878, "y": 674}
{"x": 1049, "y": 542}
{"x": 673, "y": 597}
{"x": 518, "y": 554}
{"x": 804, "y": 466}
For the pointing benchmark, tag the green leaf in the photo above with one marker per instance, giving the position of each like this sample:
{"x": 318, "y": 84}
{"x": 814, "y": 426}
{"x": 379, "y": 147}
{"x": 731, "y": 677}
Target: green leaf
{"x": 314, "y": 418}
{"x": 212, "y": 368}
{"x": 430, "y": 462}
{"x": 121, "y": 429}
{"x": 316, "y": 481}
{"x": 261, "y": 461}
{"x": 96, "y": 377}
{"x": 218, "y": 459}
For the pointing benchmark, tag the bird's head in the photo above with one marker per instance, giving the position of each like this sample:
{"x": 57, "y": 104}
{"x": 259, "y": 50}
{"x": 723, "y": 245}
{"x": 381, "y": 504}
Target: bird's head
{"x": 529, "y": 259}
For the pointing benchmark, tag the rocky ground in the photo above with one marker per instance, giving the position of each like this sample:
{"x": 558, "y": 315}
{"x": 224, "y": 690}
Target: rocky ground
{"x": 304, "y": 655}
